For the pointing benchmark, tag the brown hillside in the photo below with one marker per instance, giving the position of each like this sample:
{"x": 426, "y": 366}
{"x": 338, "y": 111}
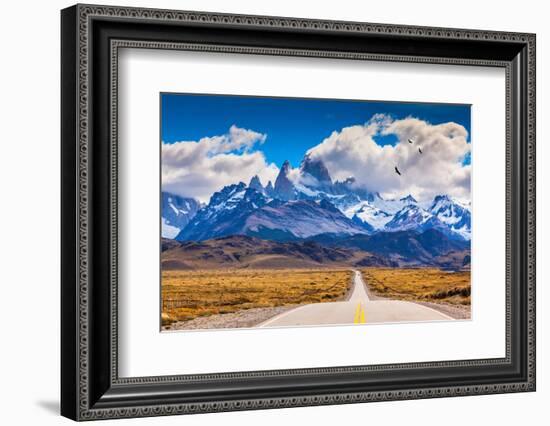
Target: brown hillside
{"x": 248, "y": 252}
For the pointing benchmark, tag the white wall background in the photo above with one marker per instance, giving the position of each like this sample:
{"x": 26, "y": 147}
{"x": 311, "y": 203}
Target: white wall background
{"x": 29, "y": 213}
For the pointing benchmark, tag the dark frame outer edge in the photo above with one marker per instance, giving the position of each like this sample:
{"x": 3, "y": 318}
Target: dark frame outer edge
{"x": 69, "y": 316}
{"x": 87, "y": 395}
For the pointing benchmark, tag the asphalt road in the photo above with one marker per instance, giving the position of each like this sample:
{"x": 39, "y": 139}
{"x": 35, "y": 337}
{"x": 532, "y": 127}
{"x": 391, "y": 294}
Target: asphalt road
{"x": 358, "y": 309}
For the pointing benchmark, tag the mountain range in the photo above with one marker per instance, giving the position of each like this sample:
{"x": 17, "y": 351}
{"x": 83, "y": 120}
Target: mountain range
{"x": 240, "y": 251}
{"x": 305, "y": 205}
{"x": 383, "y": 249}
{"x": 308, "y": 204}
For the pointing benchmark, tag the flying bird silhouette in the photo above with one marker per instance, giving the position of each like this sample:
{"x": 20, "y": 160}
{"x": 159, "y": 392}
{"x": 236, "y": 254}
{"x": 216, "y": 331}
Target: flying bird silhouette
{"x": 397, "y": 171}
{"x": 410, "y": 141}
{"x": 419, "y": 150}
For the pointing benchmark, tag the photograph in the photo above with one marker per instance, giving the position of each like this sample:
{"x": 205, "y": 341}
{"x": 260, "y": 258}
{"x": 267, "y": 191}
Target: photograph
{"x": 288, "y": 212}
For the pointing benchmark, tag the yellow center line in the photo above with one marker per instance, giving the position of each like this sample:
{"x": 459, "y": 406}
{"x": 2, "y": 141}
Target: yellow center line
{"x": 359, "y": 317}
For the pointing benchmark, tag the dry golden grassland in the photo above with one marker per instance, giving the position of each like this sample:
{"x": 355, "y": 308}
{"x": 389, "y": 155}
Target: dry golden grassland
{"x": 190, "y": 294}
{"x": 424, "y": 284}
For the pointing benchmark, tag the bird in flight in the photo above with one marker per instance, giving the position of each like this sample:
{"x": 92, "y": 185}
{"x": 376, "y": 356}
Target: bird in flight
{"x": 419, "y": 150}
{"x": 410, "y": 141}
{"x": 397, "y": 171}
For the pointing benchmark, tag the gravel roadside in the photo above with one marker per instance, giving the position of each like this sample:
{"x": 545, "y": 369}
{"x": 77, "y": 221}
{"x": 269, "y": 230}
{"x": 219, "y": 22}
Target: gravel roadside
{"x": 454, "y": 311}
{"x": 242, "y": 319}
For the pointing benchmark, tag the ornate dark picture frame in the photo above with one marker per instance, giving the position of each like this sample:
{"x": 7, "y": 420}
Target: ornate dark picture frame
{"x": 90, "y": 385}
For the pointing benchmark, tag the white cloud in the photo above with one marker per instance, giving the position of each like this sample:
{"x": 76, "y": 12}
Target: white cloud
{"x": 353, "y": 151}
{"x": 199, "y": 168}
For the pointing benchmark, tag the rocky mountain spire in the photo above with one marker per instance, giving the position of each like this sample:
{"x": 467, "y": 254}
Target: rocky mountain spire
{"x": 256, "y": 184}
{"x": 269, "y": 190}
{"x": 284, "y": 188}
{"x": 317, "y": 169}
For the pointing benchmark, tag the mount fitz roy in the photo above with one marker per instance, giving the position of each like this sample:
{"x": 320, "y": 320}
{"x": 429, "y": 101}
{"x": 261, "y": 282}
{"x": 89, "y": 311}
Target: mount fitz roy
{"x": 307, "y": 206}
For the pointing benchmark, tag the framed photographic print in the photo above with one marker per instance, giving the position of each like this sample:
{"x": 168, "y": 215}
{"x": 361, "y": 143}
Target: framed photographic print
{"x": 250, "y": 241}
{"x": 263, "y": 212}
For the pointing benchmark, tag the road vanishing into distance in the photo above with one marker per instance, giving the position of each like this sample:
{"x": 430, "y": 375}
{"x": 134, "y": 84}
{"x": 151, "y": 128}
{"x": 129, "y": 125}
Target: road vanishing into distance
{"x": 358, "y": 309}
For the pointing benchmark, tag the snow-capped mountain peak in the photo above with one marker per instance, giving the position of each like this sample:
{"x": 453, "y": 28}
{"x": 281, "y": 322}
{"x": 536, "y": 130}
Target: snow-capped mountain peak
{"x": 228, "y": 197}
{"x": 444, "y": 215}
{"x": 366, "y": 213}
{"x": 409, "y": 217}
{"x": 176, "y": 213}
{"x": 453, "y": 213}
{"x": 394, "y": 205}
{"x": 409, "y": 199}
{"x": 441, "y": 202}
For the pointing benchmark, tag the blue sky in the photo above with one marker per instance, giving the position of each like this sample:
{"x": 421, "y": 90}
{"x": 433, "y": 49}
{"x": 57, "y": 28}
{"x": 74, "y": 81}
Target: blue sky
{"x": 292, "y": 125}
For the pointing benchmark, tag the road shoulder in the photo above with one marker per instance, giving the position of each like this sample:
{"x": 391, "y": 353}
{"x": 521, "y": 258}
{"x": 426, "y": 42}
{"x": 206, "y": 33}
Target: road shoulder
{"x": 454, "y": 311}
{"x": 459, "y": 312}
{"x": 248, "y": 318}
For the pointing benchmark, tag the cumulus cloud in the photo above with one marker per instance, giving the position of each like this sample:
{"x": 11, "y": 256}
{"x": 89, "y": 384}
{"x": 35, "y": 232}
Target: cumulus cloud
{"x": 199, "y": 168}
{"x": 353, "y": 151}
